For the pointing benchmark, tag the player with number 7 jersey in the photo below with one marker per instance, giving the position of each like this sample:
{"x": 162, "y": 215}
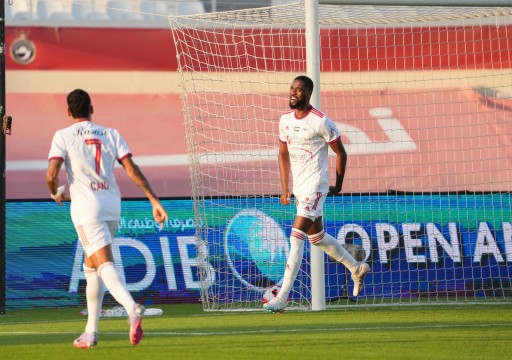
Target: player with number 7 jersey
{"x": 89, "y": 152}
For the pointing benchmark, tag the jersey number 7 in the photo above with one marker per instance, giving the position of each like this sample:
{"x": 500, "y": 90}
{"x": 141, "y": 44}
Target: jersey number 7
{"x": 97, "y": 155}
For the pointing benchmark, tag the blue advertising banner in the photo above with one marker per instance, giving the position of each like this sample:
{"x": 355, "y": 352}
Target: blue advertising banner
{"x": 441, "y": 246}
{"x": 44, "y": 258}
{"x": 416, "y": 244}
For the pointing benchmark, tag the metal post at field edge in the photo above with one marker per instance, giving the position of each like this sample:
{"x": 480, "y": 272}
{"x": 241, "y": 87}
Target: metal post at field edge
{"x": 2, "y": 160}
{"x": 313, "y": 71}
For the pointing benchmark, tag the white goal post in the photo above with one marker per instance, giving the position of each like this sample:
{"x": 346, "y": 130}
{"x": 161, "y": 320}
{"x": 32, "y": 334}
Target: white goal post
{"x": 423, "y": 98}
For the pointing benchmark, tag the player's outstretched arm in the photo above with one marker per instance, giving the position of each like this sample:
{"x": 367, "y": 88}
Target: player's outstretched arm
{"x": 138, "y": 178}
{"x": 341, "y": 164}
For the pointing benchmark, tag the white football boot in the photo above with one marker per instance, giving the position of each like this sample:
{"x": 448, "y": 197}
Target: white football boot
{"x": 276, "y": 305}
{"x": 358, "y": 277}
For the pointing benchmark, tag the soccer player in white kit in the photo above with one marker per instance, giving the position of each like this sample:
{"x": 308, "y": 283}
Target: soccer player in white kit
{"x": 305, "y": 135}
{"x": 89, "y": 152}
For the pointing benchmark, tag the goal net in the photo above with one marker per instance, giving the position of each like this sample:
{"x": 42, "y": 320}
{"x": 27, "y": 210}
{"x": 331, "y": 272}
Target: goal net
{"x": 423, "y": 99}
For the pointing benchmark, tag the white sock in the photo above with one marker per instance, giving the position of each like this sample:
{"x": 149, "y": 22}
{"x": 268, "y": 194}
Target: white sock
{"x": 333, "y": 248}
{"x": 112, "y": 280}
{"x": 94, "y": 291}
{"x": 293, "y": 263}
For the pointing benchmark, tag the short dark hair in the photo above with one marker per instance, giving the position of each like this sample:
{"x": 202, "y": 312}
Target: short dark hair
{"x": 308, "y": 83}
{"x": 79, "y": 104}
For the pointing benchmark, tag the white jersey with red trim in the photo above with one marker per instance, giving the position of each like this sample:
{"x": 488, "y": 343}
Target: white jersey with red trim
{"x": 308, "y": 141}
{"x": 89, "y": 152}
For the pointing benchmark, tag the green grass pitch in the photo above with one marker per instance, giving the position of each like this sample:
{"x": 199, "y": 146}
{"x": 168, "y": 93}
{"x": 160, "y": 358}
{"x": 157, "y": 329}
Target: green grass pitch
{"x": 186, "y": 332}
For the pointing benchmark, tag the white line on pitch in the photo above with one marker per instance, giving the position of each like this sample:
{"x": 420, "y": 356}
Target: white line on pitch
{"x": 274, "y": 331}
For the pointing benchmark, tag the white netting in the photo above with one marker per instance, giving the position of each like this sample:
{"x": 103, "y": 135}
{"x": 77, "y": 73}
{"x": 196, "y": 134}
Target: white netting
{"x": 422, "y": 96}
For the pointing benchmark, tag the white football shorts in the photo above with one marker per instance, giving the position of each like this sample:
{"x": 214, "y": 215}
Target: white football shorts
{"x": 94, "y": 236}
{"x": 312, "y": 206}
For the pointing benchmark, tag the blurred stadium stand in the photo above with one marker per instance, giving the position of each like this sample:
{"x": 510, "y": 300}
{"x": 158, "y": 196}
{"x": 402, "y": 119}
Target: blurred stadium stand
{"x": 62, "y": 12}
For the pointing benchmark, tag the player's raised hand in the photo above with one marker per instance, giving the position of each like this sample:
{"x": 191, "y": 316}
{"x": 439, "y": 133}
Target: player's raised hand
{"x": 160, "y": 214}
{"x": 333, "y": 190}
{"x": 285, "y": 198}
{"x": 64, "y": 197}
{"x": 61, "y": 195}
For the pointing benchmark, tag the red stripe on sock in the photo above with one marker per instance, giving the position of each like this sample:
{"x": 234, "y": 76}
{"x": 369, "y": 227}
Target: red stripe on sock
{"x": 313, "y": 239}
{"x": 299, "y": 234}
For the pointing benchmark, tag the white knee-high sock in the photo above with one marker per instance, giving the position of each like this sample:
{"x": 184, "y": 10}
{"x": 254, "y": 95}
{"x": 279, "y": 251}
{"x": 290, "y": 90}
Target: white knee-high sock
{"x": 112, "y": 280}
{"x": 297, "y": 238}
{"x": 333, "y": 248}
{"x": 94, "y": 292}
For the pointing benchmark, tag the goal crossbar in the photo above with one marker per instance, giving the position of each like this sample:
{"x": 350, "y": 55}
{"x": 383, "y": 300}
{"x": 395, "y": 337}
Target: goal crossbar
{"x": 442, "y": 3}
